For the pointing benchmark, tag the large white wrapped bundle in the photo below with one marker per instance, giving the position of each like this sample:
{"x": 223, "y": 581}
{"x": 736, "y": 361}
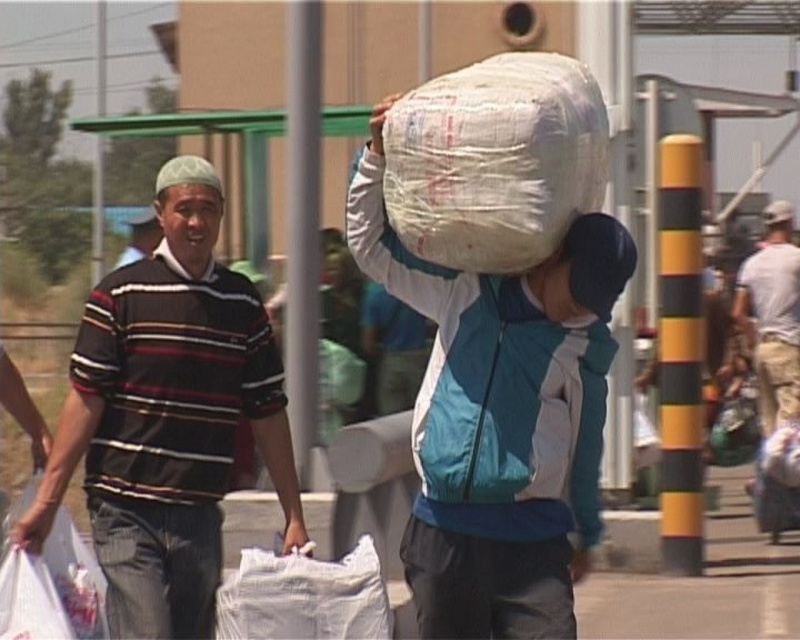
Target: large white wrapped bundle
{"x": 487, "y": 166}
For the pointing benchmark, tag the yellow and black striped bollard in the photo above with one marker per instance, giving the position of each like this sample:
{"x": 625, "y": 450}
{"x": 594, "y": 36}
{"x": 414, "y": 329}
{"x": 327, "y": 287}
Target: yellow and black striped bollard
{"x": 680, "y": 337}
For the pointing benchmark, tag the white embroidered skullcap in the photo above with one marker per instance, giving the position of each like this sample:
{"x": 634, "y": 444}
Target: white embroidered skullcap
{"x": 187, "y": 170}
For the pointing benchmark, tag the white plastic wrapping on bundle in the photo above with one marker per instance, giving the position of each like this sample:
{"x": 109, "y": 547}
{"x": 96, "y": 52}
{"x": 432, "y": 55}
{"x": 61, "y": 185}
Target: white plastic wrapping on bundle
{"x": 487, "y": 166}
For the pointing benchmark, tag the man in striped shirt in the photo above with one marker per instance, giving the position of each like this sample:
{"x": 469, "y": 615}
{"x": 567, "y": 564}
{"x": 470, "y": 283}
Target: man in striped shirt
{"x": 171, "y": 351}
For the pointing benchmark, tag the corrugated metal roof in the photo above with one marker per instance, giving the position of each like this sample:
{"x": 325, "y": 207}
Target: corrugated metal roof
{"x": 732, "y": 17}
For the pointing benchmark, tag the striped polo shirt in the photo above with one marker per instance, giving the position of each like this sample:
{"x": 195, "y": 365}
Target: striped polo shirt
{"x": 177, "y": 361}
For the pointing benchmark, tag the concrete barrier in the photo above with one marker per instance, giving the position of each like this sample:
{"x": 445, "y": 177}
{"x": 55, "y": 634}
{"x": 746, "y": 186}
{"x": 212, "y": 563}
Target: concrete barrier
{"x": 375, "y": 480}
{"x": 364, "y": 455}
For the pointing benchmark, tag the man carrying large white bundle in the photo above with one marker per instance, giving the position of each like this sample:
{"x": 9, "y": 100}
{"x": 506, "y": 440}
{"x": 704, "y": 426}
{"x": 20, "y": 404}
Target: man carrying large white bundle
{"x": 507, "y": 428}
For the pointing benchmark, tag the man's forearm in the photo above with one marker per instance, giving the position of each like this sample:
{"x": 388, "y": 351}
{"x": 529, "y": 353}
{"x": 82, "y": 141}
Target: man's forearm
{"x": 79, "y": 419}
{"x": 274, "y": 441}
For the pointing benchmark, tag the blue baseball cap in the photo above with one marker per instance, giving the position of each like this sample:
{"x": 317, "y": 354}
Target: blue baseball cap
{"x": 603, "y": 260}
{"x": 143, "y": 217}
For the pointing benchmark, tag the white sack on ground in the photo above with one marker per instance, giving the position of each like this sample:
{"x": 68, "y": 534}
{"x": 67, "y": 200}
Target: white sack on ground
{"x": 487, "y": 166}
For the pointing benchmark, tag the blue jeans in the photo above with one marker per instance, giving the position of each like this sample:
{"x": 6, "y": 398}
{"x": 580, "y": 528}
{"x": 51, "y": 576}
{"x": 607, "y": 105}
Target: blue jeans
{"x": 163, "y": 564}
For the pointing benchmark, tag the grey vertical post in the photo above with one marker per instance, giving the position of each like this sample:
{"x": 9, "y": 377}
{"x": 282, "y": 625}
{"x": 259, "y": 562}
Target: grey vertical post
{"x": 98, "y": 220}
{"x": 652, "y": 159}
{"x": 622, "y": 151}
{"x": 424, "y": 41}
{"x": 304, "y": 47}
{"x": 3, "y": 212}
{"x": 604, "y": 44}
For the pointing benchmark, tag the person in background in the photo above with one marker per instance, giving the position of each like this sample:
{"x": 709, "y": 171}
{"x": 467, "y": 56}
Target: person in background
{"x": 15, "y": 399}
{"x": 397, "y": 337}
{"x": 342, "y": 373}
{"x": 346, "y": 282}
{"x": 330, "y": 239}
{"x": 169, "y": 353}
{"x": 244, "y": 474}
{"x": 507, "y": 433}
{"x": 146, "y": 233}
{"x": 718, "y": 336}
{"x": 768, "y": 288}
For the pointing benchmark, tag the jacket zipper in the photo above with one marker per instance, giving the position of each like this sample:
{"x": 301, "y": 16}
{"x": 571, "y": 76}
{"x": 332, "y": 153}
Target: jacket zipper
{"x": 473, "y": 461}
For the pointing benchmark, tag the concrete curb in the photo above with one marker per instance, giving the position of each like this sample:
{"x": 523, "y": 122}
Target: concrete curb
{"x": 632, "y": 542}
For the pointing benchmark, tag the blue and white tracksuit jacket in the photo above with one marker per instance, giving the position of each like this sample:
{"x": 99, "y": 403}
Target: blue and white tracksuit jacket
{"x": 507, "y": 433}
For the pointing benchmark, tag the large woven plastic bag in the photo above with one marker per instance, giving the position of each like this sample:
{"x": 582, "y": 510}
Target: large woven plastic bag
{"x": 486, "y": 167}
{"x": 77, "y": 576}
{"x": 29, "y": 605}
{"x": 298, "y": 597}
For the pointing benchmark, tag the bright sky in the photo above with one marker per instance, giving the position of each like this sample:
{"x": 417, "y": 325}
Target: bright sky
{"x": 60, "y": 37}
{"x": 744, "y": 63}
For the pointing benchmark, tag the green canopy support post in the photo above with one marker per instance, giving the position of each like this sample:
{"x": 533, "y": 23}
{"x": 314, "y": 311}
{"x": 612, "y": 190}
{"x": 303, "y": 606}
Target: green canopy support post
{"x": 227, "y": 221}
{"x": 255, "y": 160}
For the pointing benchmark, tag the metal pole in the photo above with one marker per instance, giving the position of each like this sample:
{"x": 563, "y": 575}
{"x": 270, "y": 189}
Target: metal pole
{"x": 3, "y": 211}
{"x": 623, "y": 196}
{"x": 757, "y": 155}
{"x": 652, "y": 135}
{"x": 596, "y": 47}
{"x": 98, "y": 221}
{"x": 304, "y": 47}
{"x": 424, "y": 42}
{"x": 681, "y": 346}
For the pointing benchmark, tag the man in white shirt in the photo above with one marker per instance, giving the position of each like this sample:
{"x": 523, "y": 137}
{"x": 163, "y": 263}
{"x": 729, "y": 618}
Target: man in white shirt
{"x": 768, "y": 288}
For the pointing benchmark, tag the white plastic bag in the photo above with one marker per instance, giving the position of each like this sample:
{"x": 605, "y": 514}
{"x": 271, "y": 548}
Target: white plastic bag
{"x": 487, "y": 166}
{"x": 299, "y": 597}
{"x": 647, "y": 444}
{"x": 30, "y": 608}
{"x": 782, "y": 454}
{"x": 74, "y": 570}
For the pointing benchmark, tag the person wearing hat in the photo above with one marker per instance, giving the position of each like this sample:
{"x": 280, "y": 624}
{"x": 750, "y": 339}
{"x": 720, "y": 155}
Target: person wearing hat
{"x": 146, "y": 233}
{"x": 768, "y": 290}
{"x": 170, "y": 352}
{"x": 507, "y": 430}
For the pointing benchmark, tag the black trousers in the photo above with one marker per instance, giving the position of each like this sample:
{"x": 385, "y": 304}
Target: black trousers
{"x": 467, "y": 587}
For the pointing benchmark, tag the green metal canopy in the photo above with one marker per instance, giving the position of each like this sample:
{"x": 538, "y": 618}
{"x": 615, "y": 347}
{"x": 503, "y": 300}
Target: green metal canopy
{"x": 255, "y": 129}
{"x": 343, "y": 121}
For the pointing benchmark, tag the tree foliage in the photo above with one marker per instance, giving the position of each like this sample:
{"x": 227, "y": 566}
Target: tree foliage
{"x": 43, "y": 188}
{"x": 34, "y": 118}
{"x": 132, "y": 163}
{"x": 58, "y": 238}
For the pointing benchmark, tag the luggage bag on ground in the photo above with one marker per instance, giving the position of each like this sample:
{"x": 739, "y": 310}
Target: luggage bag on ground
{"x": 776, "y": 506}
